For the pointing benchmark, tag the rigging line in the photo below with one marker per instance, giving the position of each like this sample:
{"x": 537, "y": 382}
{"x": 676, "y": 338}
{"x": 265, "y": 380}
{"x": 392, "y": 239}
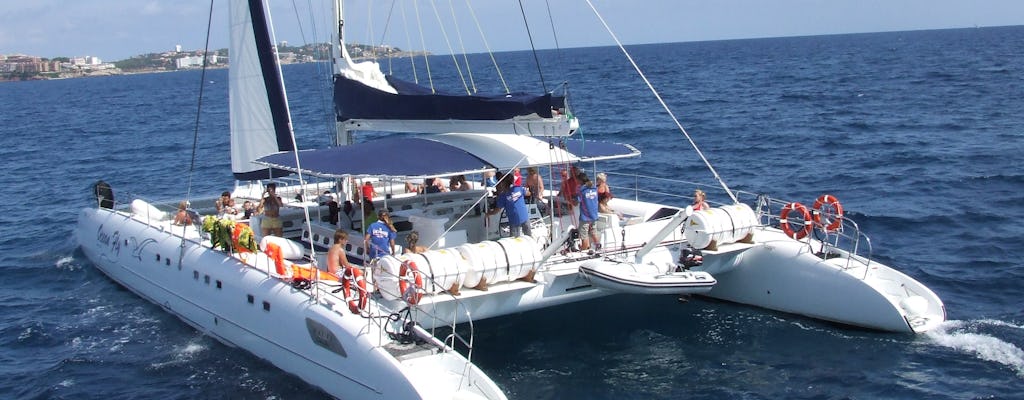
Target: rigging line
{"x": 295, "y": 146}
{"x": 448, "y": 43}
{"x": 663, "y": 104}
{"x": 462, "y": 44}
{"x": 369, "y": 32}
{"x": 199, "y": 110}
{"x": 408, "y": 45}
{"x": 387, "y": 27}
{"x": 318, "y": 55}
{"x": 195, "y": 132}
{"x": 488, "y": 47}
{"x": 423, "y": 45}
{"x": 554, "y": 34}
{"x": 532, "y": 47}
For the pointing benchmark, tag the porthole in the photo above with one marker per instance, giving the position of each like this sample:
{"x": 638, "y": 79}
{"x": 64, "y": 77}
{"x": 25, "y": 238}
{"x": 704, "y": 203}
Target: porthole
{"x": 348, "y": 246}
{"x": 158, "y": 257}
{"x": 195, "y": 275}
{"x": 206, "y": 279}
{"x": 250, "y": 298}
{"x": 219, "y": 285}
{"x": 167, "y": 261}
{"x": 266, "y": 306}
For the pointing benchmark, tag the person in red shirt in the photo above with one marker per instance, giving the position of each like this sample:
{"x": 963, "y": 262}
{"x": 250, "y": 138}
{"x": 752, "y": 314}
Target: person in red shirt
{"x": 368, "y": 192}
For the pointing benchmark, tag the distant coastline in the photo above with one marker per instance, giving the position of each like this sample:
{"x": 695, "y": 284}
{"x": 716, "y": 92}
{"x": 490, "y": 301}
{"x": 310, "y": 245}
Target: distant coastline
{"x": 20, "y": 67}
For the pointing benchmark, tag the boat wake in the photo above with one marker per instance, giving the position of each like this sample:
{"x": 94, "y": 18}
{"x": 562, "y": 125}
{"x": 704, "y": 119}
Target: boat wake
{"x": 183, "y": 354}
{"x": 978, "y": 337}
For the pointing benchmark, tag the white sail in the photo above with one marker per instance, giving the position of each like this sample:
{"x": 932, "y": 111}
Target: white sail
{"x": 260, "y": 120}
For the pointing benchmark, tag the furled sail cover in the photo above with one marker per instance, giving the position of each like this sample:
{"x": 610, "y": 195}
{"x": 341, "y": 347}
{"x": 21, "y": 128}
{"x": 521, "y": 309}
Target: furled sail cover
{"x": 355, "y": 100}
{"x": 400, "y": 157}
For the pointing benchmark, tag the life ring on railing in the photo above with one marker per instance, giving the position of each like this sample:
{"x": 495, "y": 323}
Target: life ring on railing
{"x": 359, "y": 302}
{"x": 410, "y": 295}
{"x": 787, "y": 227}
{"x": 831, "y": 219}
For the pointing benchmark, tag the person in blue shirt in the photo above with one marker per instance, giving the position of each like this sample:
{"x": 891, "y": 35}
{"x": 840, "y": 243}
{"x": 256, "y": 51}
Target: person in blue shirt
{"x": 380, "y": 236}
{"x": 512, "y": 199}
{"x": 587, "y": 200}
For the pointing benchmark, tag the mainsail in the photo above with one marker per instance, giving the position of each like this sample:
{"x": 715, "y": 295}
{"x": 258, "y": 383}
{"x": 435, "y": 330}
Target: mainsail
{"x": 259, "y": 116}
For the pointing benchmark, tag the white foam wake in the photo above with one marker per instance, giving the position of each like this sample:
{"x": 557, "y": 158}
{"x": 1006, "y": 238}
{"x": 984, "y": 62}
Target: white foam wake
{"x": 963, "y": 336}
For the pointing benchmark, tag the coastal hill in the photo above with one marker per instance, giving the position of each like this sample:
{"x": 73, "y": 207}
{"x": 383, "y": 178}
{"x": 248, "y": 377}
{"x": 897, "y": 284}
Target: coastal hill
{"x": 20, "y": 67}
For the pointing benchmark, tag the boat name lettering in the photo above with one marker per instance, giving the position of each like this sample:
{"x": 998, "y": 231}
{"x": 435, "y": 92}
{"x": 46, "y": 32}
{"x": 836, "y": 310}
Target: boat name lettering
{"x": 111, "y": 241}
{"x": 323, "y": 337}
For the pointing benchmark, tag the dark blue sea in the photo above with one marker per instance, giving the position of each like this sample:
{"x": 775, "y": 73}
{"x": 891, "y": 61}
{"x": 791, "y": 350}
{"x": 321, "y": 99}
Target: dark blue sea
{"x": 920, "y": 134}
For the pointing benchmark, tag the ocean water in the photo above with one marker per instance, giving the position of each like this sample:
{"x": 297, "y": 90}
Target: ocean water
{"x": 920, "y": 134}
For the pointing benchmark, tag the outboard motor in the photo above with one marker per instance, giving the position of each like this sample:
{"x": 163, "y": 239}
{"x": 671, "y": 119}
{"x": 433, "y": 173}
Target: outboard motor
{"x": 689, "y": 258}
{"x": 104, "y": 194}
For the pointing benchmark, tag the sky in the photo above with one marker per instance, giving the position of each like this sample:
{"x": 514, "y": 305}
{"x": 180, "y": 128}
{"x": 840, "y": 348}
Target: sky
{"x": 118, "y": 29}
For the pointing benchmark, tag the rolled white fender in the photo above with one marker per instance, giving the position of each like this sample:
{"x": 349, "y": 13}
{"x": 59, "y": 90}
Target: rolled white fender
{"x": 523, "y": 253}
{"x": 144, "y": 210}
{"x": 483, "y": 260}
{"x": 726, "y": 224}
{"x": 445, "y": 266}
{"x": 290, "y": 249}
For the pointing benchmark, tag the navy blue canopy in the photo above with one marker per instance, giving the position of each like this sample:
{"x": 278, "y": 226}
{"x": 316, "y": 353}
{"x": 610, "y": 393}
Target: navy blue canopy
{"x": 408, "y": 157}
{"x": 355, "y": 100}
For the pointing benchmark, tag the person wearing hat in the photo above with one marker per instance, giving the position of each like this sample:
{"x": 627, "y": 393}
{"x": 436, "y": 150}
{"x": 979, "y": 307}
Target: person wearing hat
{"x": 380, "y": 236}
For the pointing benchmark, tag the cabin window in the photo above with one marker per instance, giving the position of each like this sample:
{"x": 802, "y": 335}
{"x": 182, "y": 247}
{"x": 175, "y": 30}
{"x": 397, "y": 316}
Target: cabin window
{"x": 157, "y": 257}
{"x": 195, "y": 275}
{"x": 250, "y": 298}
{"x": 266, "y": 306}
{"x": 219, "y": 284}
{"x": 206, "y": 279}
{"x": 167, "y": 261}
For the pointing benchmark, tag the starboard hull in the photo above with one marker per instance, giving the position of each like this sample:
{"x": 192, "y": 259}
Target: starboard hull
{"x": 217, "y": 294}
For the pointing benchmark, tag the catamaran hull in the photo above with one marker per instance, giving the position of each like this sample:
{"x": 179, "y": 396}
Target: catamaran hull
{"x": 782, "y": 274}
{"x": 241, "y": 306}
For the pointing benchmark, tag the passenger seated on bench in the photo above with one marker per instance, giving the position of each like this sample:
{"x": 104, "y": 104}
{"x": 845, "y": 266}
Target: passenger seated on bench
{"x": 433, "y": 185}
{"x": 699, "y": 200}
{"x": 412, "y": 246}
{"x": 604, "y": 194}
{"x": 248, "y": 210}
{"x": 182, "y": 217}
{"x": 336, "y": 258}
{"x": 458, "y": 183}
{"x": 226, "y": 206}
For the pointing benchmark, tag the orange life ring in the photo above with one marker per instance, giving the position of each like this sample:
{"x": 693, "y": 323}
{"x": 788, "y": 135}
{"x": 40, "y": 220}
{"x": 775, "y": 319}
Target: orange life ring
{"x": 412, "y": 296}
{"x": 831, "y": 219}
{"x": 784, "y": 222}
{"x": 359, "y": 302}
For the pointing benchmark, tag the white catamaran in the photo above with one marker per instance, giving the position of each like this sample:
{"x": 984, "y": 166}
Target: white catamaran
{"x": 386, "y": 327}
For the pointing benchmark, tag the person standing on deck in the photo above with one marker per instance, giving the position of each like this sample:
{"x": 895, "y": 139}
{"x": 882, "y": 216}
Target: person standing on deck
{"x": 512, "y": 198}
{"x": 380, "y": 236}
{"x": 587, "y": 200}
{"x": 270, "y": 206}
